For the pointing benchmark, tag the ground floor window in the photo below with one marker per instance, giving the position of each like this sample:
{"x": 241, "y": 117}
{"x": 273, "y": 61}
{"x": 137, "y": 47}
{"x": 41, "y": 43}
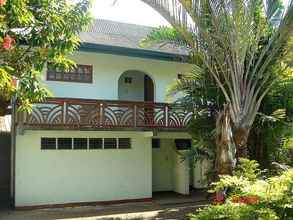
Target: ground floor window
{"x": 56, "y": 143}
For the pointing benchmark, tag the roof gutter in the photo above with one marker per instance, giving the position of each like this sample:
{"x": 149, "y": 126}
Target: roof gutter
{"x": 133, "y": 52}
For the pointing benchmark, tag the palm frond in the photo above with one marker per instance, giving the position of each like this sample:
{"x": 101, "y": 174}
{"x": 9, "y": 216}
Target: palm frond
{"x": 162, "y": 36}
{"x": 237, "y": 44}
{"x": 175, "y": 14}
{"x": 277, "y": 115}
{"x": 188, "y": 82}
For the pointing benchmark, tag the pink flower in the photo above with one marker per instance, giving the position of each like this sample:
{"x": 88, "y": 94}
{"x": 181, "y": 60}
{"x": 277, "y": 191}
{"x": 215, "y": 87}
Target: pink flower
{"x": 14, "y": 82}
{"x": 7, "y": 42}
{"x": 220, "y": 198}
{"x": 2, "y": 2}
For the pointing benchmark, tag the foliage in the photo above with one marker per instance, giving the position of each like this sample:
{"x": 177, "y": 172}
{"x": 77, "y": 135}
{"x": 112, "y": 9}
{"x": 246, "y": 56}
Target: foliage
{"x": 199, "y": 94}
{"x": 251, "y": 198}
{"x": 233, "y": 212}
{"x": 32, "y": 33}
{"x": 248, "y": 169}
{"x": 162, "y": 36}
{"x": 269, "y": 140}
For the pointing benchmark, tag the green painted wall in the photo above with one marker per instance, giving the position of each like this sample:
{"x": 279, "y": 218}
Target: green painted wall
{"x": 107, "y": 70}
{"x": 65, "y": 176}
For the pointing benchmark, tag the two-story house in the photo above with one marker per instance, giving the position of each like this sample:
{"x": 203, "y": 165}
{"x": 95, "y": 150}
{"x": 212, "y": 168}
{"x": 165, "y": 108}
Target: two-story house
{"x": 108, "y": 134}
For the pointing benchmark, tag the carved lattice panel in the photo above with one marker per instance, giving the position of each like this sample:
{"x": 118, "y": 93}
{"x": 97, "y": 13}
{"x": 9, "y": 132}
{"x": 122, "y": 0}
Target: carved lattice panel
{"x": 99, "y": 114}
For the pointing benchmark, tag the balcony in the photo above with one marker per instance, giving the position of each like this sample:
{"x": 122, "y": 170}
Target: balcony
{"x": 88, "y": 114}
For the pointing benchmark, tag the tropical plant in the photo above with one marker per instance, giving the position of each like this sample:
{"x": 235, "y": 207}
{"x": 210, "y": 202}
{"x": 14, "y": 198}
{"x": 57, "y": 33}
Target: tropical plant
{"x": 240, "y": 44}
{"x": 33, "y": 33}
{"x": 269, "y": 139}
{"x": 249, "y": 195}
{"x": 199, "y": 95}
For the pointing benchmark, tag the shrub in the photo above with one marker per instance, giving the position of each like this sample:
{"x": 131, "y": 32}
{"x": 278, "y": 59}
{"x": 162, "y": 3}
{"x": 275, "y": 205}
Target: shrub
{"x": 234, "y": 212}
{"x": 248, "y": 196}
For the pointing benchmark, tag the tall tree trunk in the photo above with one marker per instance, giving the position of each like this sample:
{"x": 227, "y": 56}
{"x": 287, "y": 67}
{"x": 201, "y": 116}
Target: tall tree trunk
{"x": 240, "y": 137}
{"x": 226, "y": 149}
{"x": 231, "y": 142}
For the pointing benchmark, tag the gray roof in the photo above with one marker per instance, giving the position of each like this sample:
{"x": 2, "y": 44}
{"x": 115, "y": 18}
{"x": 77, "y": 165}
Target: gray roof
{"x": 111, "y": 33}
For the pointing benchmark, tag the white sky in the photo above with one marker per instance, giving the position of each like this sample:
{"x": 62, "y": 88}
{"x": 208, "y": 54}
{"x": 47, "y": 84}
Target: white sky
{"x": 128, "y": 11}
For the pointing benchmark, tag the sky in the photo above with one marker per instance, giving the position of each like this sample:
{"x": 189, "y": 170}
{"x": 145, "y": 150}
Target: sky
{"x": 128, "y": 11}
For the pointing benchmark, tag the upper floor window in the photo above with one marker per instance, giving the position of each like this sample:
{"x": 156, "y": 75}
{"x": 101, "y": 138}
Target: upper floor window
{"x": 82, "y": 74}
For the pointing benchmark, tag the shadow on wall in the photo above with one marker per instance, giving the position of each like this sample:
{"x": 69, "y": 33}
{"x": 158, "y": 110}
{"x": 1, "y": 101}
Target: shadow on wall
{"x": 4, "y": 168}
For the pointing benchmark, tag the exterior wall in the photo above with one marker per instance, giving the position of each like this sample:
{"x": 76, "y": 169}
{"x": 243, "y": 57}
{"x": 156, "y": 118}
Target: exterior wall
{"x": 45, "y": 177}
{"x": 131, "y": 91}
{"x": 107, "y": 70}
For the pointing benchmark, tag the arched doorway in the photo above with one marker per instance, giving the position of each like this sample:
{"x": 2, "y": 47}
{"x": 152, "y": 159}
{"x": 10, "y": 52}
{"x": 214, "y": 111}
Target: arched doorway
{"x": 134, "y": 85}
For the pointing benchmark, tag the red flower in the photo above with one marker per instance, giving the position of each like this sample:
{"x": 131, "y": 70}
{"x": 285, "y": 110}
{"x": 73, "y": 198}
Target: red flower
{"x": 2, "y": 2}
{"x": 7, "y": 42}
{"x": 235, "y": 199}
{"x": 251, "y": 200}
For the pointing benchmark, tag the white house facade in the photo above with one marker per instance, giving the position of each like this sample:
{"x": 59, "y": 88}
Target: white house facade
{"x": 108, "y": 134}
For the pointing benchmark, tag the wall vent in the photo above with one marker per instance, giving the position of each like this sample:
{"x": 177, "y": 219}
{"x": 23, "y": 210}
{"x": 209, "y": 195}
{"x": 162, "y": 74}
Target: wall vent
{"x": 48, "y": 143}
{"x": 64, "y": 143}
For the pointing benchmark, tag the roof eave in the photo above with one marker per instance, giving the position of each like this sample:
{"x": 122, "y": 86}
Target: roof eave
{"x": 133, "y": 52}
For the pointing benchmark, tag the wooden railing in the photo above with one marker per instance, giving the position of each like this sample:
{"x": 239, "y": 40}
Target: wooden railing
{"x": 103, "y": 114}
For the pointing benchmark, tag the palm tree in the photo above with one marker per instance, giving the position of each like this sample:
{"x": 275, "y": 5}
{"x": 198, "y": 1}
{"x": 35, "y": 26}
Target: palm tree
{"x": 239, "y": 43}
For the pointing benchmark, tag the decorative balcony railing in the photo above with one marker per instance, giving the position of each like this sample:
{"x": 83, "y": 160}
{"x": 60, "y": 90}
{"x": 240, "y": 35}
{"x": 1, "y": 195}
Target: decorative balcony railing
{"x": 105, "y": 114}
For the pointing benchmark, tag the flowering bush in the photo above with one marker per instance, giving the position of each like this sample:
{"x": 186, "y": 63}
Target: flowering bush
{"x": 33, "y": 33}
{"x": 249, "y": 196}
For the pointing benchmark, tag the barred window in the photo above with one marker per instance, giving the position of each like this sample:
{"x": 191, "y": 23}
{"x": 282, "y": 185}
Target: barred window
{"x": 110, "y": 143}
{"x": 124, "y": 143}
{"x": 64, "y": 143}
{"x": 156, "y": 143}
{"x": 48, "y": 143}
{"x": 95, "y": 143}
{"x": 79, "y": 143}
{"x": 82, "y": 74}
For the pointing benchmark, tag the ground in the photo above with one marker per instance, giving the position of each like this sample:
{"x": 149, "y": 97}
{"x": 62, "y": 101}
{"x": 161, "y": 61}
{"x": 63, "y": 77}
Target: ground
{"x": 163, "y": 206}
{"x": 137, "y": 211}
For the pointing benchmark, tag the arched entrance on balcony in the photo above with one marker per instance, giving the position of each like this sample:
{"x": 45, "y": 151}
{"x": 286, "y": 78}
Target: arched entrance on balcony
{"x": 135, "y": 85}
